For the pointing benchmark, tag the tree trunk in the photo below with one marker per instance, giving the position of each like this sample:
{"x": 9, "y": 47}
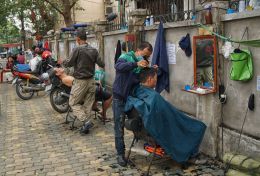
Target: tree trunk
{"x": 67, "y": 19}
{"x": 22, "y": 30}
{"x": 67, "y": 13}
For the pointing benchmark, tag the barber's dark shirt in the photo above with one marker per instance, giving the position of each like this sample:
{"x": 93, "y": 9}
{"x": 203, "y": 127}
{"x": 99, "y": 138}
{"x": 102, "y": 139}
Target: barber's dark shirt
{"x": 83, "y": 58}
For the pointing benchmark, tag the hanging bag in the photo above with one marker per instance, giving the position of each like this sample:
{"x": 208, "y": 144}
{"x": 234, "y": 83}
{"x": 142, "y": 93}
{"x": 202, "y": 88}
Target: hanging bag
{"x": 242, "y": 66}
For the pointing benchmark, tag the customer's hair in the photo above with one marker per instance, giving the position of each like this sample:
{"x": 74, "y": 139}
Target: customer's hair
{"x": 81, "y": 33}
{"x": 146, "y": 73}
{"x": 144, "y": 45}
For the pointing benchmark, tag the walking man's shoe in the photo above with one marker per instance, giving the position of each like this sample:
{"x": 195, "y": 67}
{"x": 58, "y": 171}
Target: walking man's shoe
{"x": 121, "y": 160}
{"x": 85, "y": 128}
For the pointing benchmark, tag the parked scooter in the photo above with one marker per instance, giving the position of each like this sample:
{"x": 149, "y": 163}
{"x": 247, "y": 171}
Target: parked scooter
{"x": 27, "y": 82}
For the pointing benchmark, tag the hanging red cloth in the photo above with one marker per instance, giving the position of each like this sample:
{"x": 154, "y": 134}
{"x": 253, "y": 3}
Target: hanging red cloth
{"x": 46, "y": 45}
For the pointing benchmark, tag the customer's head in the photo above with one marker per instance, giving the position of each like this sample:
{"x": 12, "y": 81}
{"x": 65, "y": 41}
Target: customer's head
{"x": 145, "y": 50}
{"x": 148, "y": 77}
{"x": 81, "y": 36}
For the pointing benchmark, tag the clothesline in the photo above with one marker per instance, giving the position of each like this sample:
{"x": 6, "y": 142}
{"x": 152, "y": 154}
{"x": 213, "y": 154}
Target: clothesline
{"x": 253, "y": 43}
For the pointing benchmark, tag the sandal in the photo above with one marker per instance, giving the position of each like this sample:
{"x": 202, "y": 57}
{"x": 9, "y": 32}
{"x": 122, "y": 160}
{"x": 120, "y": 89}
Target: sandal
{"x": 96, "y": 109}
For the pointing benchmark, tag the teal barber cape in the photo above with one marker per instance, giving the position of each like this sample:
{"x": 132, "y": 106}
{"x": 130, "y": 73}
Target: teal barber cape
{"x": 177, "y": 133}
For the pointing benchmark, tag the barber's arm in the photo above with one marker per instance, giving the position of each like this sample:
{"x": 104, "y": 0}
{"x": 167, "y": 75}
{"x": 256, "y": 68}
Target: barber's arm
{"x": 124, "y": 66}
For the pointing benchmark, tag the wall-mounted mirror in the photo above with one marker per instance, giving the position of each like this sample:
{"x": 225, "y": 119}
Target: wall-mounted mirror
{"x": 205, "y": 62}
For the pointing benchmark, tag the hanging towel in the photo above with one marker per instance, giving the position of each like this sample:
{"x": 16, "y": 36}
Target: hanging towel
{"x": 160, "y": 58}
{"x": 118, "y": 51}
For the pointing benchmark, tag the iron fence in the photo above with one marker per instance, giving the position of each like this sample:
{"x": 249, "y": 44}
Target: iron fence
{"x": 162, "y": 10}
{"x": 169, "y": 10}
{"x": 113, "y": 26}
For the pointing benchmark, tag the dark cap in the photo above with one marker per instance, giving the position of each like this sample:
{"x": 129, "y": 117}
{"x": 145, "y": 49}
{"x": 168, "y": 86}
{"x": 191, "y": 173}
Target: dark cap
{"x": 81, "y": 33}
{"x": 186, "y": 45}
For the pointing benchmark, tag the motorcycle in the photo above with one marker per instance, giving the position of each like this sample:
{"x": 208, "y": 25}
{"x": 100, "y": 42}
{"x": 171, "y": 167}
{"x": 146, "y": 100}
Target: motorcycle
{"x": 27, "y": 82}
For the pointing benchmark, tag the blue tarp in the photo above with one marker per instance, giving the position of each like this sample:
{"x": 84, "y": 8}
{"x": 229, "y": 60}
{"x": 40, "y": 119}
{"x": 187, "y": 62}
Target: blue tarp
{"x": 23, "y": 67}
{"x": 173, "y": 130}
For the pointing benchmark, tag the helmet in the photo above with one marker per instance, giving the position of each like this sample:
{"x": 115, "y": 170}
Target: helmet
{"x": 46, "y": 55}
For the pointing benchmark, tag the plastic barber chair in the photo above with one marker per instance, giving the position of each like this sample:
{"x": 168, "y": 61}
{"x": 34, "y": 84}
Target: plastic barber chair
{"x": 134, "y": 123}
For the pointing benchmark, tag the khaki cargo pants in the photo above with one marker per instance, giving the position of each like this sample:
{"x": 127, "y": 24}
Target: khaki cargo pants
{"x": 82, "y": 97}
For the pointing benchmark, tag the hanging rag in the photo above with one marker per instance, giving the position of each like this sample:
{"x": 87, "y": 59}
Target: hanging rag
{"x": 118, "y": 51}
{"x": 160, "y": 58}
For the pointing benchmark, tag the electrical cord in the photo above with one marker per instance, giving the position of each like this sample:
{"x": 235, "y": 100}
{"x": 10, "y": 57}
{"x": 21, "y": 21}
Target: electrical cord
{"x": 240, "y": 135}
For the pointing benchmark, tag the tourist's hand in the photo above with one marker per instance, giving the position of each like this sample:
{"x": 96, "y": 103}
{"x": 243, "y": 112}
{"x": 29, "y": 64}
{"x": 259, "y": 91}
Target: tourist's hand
{"x": 142, "y": 63}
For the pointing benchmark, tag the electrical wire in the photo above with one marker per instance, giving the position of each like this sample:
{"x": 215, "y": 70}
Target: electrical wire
{"x": 240, "y": 135}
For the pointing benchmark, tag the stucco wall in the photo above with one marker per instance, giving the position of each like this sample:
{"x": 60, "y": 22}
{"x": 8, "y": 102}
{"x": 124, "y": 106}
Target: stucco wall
{"x": 110, "y": 42}
{"x": 93, "y": 10}
{"x": 238, "y": 92}
{"x": 205, "y": 108}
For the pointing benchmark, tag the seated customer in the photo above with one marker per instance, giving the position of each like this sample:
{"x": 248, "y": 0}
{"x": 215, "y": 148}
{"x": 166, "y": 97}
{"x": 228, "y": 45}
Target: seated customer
{"x": 101, "y": 94}
{"x": 173, "y": 130}
{"x": 8, "y": 68}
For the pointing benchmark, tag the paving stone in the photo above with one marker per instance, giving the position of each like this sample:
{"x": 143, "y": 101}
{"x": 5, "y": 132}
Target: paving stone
{"x": 34, "y": 142}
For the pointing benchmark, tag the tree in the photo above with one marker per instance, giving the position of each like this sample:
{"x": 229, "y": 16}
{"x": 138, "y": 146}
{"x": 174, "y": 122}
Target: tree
{"x": 8, "y": 32}
{"x": 63, "y": 7}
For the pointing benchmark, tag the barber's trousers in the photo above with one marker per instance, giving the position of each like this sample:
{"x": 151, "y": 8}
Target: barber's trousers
{"x": 119, "y": 120}
{"x": 82, "y": 97}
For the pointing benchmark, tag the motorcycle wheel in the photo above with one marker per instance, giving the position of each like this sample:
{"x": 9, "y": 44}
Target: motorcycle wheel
{"x": 23, "y": 94}
{"x": 59, "y": 108}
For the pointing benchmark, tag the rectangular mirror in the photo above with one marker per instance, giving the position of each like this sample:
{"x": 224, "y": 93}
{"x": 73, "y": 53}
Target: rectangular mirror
{"x": 205, "y": 62}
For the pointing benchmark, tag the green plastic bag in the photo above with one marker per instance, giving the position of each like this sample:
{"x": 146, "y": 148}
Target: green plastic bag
{"x": 242, "y": 66}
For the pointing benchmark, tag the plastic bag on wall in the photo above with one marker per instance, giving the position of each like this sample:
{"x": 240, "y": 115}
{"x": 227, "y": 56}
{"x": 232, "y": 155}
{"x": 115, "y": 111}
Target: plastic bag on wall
{"x": 227, "y": 49}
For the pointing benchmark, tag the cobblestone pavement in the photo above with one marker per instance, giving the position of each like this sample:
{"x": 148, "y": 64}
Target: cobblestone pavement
{"x": 33, "y": 141}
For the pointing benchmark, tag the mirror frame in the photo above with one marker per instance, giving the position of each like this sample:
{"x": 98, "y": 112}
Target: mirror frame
{"x": 195, "y": 38}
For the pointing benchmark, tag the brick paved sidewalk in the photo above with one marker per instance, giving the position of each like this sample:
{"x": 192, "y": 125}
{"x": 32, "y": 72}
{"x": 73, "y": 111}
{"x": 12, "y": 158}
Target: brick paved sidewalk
{"x": 33, "y": 141}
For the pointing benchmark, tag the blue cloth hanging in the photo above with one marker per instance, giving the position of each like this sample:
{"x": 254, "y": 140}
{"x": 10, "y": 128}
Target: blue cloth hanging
{"x": 160, "y": 58}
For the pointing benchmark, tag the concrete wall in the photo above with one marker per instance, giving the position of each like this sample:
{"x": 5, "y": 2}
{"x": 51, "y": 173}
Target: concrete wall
{"x": 110, "y": 42}
{"x": 204, "y": 108}
{"x": 93, "y": 10}
{"x": 238, "y": 92}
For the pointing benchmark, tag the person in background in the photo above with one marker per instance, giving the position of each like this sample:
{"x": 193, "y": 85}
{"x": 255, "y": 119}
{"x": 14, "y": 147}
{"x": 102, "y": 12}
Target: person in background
{"x": 34, "y": 61}
{"x": 128, "y": 66}
{"x": 100, "y": 95}
{"x": 9, "y": 65}
{"x": 83, "y": 59}
{"x": 21, "y": 58}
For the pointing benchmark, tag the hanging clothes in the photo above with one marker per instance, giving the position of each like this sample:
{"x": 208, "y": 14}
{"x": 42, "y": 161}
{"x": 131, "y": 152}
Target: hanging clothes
{"x": 160, "y": 58}
{"x": 118, "y": 50}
